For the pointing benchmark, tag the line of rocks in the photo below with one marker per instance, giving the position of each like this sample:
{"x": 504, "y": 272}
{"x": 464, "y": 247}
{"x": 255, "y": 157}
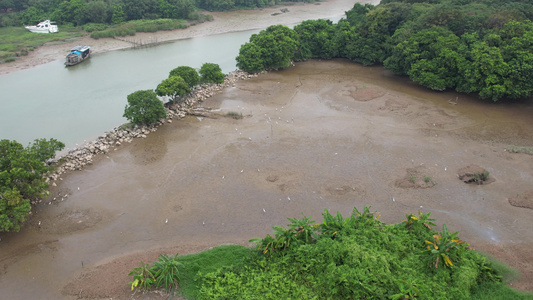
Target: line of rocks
{"x": 79, "y": 157}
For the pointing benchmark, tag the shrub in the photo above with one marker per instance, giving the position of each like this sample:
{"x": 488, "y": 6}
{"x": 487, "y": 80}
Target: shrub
{"x": 188, "y": 74}
{"x": 21, "y": 178}
{"x": 144, "y": 108}
{"x": 210, "y": 72}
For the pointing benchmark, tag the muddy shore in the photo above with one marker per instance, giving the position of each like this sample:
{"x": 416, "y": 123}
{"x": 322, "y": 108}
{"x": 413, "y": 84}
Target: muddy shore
{"x": 324, "y": 134}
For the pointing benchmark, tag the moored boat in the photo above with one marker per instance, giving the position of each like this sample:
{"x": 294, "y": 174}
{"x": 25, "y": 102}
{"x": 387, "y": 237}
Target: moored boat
{"x": 77, "y": 55}
{"x": 45, "y": 26}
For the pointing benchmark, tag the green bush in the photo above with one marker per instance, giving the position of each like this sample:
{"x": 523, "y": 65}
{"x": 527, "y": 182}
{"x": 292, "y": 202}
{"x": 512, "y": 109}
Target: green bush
{"x": 21, "y": 178}
{"x": 90, "y": 27}
{"x": 144, "y": 108}
{"x": 358, "y": 257}
{"x": 211, "y": 73}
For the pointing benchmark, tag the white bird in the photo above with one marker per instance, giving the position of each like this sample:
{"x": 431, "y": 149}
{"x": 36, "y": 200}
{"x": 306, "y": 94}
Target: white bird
{"x": 78, "y": 188}
{"x": 166, "y": 221}
{"x": 203, "y": 223}
{"x": 39, "y": 223}
{"x": 289, "y": 198}
{"x": 264, "y": 210}
{"x": 242, "y": 171}
{"x": 222, "y": 176}
{"x": 393, "y": 199}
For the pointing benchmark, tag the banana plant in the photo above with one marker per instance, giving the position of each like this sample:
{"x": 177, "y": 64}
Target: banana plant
{"x": 443, "y": 247}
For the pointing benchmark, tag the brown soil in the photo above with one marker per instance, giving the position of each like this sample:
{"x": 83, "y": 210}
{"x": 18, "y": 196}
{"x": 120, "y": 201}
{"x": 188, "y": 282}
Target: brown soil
{"x": 475, "y": 174}
{"x": 524, "y": 200}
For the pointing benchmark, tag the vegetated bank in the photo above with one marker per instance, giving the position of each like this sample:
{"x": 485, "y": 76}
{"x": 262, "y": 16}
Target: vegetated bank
{"x": 101, "y": 18}
{"x": 358, "y": 257}
{"x": 473, "y": 46}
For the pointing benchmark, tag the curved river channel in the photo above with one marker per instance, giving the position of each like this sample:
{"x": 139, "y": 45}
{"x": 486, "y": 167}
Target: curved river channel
{"x": 81, "y": 102}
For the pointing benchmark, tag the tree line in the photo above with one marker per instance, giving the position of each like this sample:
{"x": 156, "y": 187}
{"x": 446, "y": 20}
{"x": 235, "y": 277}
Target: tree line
{"x": 80, "y": 12}
{"x": 482, "y": 47}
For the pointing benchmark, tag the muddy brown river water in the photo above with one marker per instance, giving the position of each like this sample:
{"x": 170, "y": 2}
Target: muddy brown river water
{"x": 323, "y": 134}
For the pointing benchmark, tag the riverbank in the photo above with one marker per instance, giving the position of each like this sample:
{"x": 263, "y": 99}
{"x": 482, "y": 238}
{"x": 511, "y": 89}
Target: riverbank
{"x": 223, "y": 22}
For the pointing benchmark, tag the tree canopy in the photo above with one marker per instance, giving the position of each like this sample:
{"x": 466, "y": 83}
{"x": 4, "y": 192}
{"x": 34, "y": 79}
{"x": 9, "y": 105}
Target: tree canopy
{"x": 174, "y": 87}
{"x": 21, "y": 178}
{"x": 144, "y": 108}
{"x": 482, "y": 47}
{"x": 211, "y": 73}
{"x": 188, "y": 74}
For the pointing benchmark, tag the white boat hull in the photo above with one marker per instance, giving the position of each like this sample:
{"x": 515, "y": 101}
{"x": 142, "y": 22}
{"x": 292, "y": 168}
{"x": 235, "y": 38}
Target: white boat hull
{"x": 43, "y": 27}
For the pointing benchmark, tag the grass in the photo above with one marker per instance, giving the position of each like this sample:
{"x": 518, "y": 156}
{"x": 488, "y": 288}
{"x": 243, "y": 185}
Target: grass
{"x": 18, "y": 41}
{"x": 357, "y": 257}
{"x": 221, "y": 257}
{"x": 235, "y": 115}
{"x": 132, "y": 27}
{"x": 519, "y": 149}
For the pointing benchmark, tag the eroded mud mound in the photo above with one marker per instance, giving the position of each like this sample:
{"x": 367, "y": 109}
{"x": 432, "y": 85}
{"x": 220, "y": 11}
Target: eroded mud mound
{"x": 524, "y": 200}
{"x": 475, "y": 174}
{"x": 417, "y": 177}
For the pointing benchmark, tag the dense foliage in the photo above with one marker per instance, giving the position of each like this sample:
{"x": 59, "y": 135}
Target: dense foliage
{"x": 21, "y": 178}
{"x": 211, "y": 73}
{"x": 358, "y": 257}
{"x": 174, "y": 87}
{"x": 189, "y": 74}
{"x": 80, "y": 12}
{"x": 472, "y": 46}
{"x": 144, "y": 108}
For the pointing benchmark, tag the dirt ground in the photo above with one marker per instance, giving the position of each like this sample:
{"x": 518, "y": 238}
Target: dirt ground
{"x": 323, "y": 134}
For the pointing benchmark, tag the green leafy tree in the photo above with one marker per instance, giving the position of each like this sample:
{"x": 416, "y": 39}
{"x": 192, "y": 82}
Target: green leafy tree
{"x": 277, "y": 45}
{"x": 118, "y": 15}
{"x": 250, "y": 58}
{"x": 211, "y": 72}
{"x": 144, "y": 108}
{"x": 188, "y": 74}
{"x": 317, "y": 36}
{"x": 97, "y": 12}
{"x": 32, "y": 16}
{"x": 174, "y": 87}
{"x": 21, "y": 178}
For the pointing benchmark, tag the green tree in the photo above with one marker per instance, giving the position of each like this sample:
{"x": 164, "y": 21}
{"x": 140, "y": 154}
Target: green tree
{"x": 278, "y": 46}
{"x": 485, "y": 73}
{"x": 118, "y": 15}
{"x": 250, "y": 58}
{"x": 211, "y": 72}
{"x": 21, "y": 178}
{"x": 144, "y": 108}
{"x": 188, "y": 74}
{"x": 174, "y": 87}
{"x": 97, "y": 12}
{"x": 317, "y": 36}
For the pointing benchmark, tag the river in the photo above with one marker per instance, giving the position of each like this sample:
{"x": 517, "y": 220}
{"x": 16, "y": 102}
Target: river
{"x": 81, "y": 102}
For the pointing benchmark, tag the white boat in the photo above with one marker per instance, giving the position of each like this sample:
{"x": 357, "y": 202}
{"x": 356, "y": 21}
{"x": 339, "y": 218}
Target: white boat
{"x": 77, "y": 55}
{"x": 45, "y": 26}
